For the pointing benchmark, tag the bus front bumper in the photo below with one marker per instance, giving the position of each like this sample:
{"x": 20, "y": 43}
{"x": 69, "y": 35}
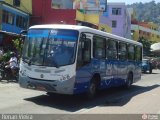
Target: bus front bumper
{"x": 54, "y": 86}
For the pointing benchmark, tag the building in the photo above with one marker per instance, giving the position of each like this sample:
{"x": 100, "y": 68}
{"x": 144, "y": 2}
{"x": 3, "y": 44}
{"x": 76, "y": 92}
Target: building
{"x": 132, "y": 13}
{"x": 44, "y": 12}
{"x": 24, "y": 5}
{"x": 12, "y": 21}
{"x": 146, "y": 30}
{"x": 60, "y": 12}
{"x": 67, "y": 12}
{"x": 117, "y": 17}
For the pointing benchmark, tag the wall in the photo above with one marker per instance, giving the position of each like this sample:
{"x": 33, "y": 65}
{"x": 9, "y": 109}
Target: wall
{"x": 123, "y": 27}
{"x": 13, "y": 28}
{"x": 105, "y": 28}
{"x": 140, "y": 31}
{"x": 25, "y": 5}
{"x": 43, "y": 13}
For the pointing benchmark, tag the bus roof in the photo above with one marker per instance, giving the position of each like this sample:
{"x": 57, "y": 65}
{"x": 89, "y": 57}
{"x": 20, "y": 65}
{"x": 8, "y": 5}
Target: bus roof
{"x": 84, "y": 29}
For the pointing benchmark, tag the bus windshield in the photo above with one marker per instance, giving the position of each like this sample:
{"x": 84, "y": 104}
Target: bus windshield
{"x": 50, "y": 47}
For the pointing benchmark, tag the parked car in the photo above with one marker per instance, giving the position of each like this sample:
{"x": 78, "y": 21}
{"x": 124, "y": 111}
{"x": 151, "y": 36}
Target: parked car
{"x": 146, "y": 66}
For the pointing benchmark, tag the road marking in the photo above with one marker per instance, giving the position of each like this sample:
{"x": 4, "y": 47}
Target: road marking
{"x": 85, "y": 110}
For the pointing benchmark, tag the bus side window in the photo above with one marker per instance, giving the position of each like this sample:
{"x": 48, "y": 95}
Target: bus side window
{"x": 131, "y": 50}
{"x": 138, "y": 53}
{"x": 112, "y": 49}
{"x": 84, "y": 52}
{"x": 122, "y": 52}
{"x": 99, "y": 47}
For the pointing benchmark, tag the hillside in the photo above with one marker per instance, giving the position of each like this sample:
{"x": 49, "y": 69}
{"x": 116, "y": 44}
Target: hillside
{"x": 149, "y": 12}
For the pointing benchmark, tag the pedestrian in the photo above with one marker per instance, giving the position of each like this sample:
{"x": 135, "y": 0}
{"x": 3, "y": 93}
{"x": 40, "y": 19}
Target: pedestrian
{"x": 12, "y": 63}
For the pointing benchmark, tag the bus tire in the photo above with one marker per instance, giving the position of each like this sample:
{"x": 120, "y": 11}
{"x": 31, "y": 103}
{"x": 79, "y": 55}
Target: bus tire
{"x": 50, "y": 94}
{"x": 129, "y": 80}
{"x": 91, "y": 90}
{"x": 150, "y": 70}
{"x": 1, "y": 75}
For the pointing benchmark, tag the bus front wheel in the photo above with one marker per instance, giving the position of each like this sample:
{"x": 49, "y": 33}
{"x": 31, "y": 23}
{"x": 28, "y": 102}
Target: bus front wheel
{"x": 92, "y": 90}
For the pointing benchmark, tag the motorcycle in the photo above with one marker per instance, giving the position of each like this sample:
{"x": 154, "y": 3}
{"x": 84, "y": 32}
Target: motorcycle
{"x": 6, "y": 73}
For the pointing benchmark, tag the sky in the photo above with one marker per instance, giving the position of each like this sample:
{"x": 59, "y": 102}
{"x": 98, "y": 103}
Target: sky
{"x": 132, "y": 1}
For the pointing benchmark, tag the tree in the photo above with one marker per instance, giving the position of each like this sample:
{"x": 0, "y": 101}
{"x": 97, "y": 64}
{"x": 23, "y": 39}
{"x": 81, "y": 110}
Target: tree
{"x": 146, "y": 46}
{"x": 148, "y": 11}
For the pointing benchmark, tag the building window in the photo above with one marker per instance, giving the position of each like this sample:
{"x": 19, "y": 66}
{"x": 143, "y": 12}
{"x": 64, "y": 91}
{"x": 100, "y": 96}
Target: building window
{"x": 7, "y": 17}
{"x": 21, "y": 22}
{"x": 16, "y": 3}
{"x": 116, "y": 11}
{"x": 114, "y": 23}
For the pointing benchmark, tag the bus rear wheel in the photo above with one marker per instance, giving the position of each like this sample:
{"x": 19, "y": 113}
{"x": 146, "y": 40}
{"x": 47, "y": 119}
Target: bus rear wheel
{"x": 150, "y": 70}
{"x": 129, "y": 80}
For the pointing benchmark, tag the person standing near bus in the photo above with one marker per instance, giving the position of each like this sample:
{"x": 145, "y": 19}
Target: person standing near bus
{"x": 12, "y": 63}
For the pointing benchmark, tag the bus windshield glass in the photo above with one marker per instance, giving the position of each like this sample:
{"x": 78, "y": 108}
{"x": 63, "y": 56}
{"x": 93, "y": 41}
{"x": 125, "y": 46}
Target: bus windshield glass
{"x": 50, "y": 47}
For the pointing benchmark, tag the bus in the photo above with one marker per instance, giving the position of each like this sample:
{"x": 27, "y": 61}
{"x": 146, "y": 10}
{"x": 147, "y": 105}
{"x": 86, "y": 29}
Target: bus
{"x": 71, "y": 59}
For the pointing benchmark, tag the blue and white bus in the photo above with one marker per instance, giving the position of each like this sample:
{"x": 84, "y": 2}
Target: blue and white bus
{"x": 70, "y": 59}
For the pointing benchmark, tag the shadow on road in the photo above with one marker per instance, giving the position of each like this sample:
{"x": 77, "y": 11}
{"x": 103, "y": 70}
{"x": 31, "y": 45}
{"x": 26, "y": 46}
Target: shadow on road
{"x": 108, "y": 97}
{"x": 124, "y": 98}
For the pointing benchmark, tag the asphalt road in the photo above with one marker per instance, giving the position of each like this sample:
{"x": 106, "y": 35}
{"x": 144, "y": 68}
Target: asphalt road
{"x": 143, "y": 97}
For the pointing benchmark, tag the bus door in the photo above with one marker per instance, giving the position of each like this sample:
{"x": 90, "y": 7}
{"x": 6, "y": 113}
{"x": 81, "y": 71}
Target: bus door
{"x": 83, "y": 68}
{"x": 99, "y": 57}
{"x": 122, "y": 63}
{"x": 112, "y": 60}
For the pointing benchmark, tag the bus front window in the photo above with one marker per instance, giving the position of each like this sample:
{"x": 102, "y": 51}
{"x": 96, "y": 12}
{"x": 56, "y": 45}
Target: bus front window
{"x": 50, "y": 47}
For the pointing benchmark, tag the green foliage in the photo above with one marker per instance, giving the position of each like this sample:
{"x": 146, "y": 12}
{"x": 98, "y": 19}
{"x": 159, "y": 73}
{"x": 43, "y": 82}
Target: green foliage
{"x": 149, "y": 12}
{"x": 17, "y": 44}
{"x": 146, "y": 46}
{"x": 6, "y": 56}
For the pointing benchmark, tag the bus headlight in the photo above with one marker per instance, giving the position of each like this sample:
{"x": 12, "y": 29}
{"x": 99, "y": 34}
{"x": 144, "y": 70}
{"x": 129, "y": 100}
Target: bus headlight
{"x": 65, "y": 77}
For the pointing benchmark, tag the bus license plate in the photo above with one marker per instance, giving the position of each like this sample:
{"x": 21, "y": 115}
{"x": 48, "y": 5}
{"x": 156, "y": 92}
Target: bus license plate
{"x": 41, "y": 88}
